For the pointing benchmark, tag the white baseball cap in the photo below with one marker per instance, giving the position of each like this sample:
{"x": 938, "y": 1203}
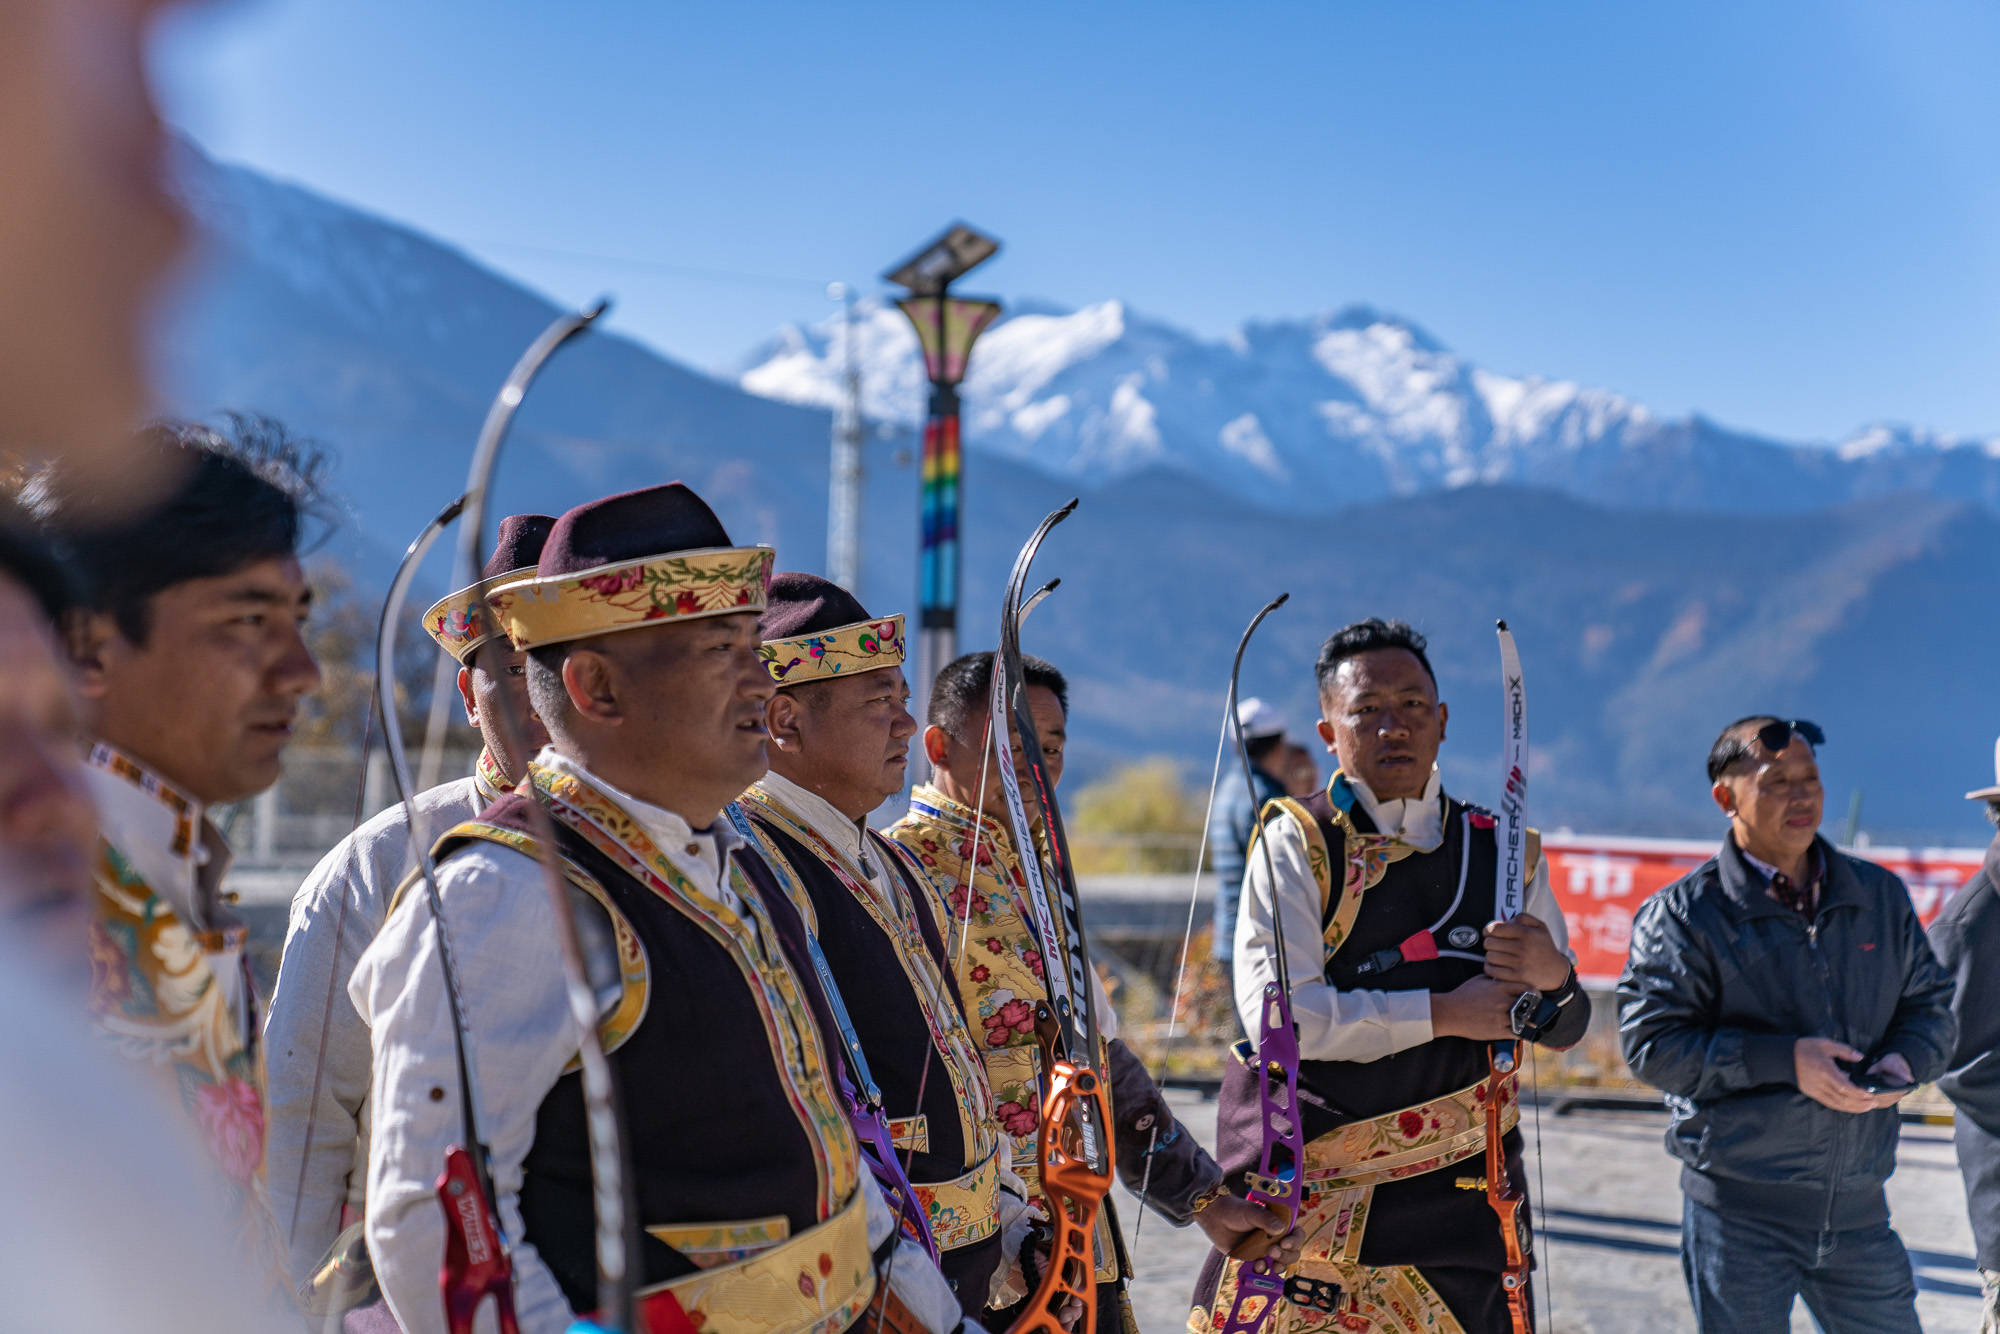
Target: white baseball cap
{"x": 1258, "y": 719}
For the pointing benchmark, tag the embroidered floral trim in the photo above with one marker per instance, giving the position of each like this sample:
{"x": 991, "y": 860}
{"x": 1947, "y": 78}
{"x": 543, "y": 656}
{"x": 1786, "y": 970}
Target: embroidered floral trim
{"x": 897, "y": 920}
{"x": 846, "y": 650}
{"x": 458, "y": 621}
{"x": 114, "y": 761}
{"x": 628, "y": 594}
{"x": 1342, "y": 1169}
{"x": 788, "y": 1020}
{"x": 1000, "y": 970}
{"x": 488, "y": 778}
{"x": 635, "y": 983}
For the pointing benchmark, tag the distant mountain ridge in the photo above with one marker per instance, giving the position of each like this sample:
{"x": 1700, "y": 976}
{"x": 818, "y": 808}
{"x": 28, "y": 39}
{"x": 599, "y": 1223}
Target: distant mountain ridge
{"x": 1642, "y": 625}
{"x": 1311, "y": 414}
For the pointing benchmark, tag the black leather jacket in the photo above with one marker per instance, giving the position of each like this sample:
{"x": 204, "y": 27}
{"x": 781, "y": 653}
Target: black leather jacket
{"x": 1722, "y": 980}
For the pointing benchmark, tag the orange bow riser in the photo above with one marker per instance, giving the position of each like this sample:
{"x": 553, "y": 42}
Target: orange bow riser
{"x": 1075, "y": 1133}
{"x": 1509, "y": 1202}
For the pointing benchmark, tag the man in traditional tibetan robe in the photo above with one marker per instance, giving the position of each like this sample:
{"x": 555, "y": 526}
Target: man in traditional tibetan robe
{"x": 192, "y": 664}
{"x": 957, "y": 830}
{"x": 1401, "y": 981}
{"x": 640, "y": 626}
{"x": 93, "y": 1169}
{"x": 317, "y": 1089}
{"x": 840, "y": 737}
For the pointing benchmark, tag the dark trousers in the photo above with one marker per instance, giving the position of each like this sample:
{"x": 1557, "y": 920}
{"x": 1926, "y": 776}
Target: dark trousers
{"x": 1742, "y": 1275}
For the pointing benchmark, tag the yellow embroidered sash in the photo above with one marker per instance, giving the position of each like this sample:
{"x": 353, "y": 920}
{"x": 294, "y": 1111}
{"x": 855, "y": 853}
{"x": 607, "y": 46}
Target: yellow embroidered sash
{"x": 818, "y": 1282}
{"x": 966, "y": 1209}
{"x": 1341, "y": 1170}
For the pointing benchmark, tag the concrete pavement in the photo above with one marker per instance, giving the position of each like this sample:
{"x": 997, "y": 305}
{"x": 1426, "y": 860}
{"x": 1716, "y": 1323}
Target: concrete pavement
{"x": 1611, "y": 1229}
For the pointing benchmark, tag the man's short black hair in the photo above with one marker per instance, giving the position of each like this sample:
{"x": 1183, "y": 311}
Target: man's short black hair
{"x": 962, "y": 690}
{"x": 1364, "y": 637}
{"x": 238, "y": 496}
{"x": 1736, "y": 744}
{"x": 28, "y": 558}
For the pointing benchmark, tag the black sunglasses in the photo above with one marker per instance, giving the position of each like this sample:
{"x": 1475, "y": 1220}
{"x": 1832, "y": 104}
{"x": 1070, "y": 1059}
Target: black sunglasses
{"x": 1774, "y": 737}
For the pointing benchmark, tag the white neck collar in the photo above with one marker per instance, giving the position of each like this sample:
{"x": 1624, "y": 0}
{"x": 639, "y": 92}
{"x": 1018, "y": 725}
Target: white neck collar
{"x": 670, "y": 832}
{"x": 1418, "y": 820}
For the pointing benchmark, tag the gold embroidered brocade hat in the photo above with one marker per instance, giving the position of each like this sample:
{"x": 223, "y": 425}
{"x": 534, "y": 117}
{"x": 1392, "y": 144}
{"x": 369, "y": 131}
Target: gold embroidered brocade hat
{"x": 639, "y": 558}
{"x": 457, "y": 621}
{"x": 813, "y": 630}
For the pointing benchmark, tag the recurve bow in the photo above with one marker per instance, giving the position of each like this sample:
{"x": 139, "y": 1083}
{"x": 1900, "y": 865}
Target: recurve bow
{"x": 613, "y": 1204}
{"x": 1073, "y": 1143}
{"x": 1260, "y": 1284}
{"x": 1509, "y": 1201}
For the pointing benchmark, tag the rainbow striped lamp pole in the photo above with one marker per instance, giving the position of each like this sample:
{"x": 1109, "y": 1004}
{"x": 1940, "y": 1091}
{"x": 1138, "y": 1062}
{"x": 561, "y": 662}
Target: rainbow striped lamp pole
{"x": 947, "y": 326}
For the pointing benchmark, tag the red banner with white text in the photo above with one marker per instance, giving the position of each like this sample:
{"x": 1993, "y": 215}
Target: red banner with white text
{"x": 1600, "y": 883}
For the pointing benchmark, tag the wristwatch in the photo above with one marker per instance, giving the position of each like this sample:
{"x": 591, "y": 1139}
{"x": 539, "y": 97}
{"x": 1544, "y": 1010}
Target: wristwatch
{"x": 1534, "y": 1013}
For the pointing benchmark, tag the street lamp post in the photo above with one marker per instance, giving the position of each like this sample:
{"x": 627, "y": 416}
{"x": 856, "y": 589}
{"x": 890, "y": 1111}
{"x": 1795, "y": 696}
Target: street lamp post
{"x": 946, "y": 326}
{"x": 843, "y": 519}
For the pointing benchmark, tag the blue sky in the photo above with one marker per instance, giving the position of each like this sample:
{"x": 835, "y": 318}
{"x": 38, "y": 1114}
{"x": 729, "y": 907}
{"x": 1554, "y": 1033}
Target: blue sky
{"x": 1781, "y": 214}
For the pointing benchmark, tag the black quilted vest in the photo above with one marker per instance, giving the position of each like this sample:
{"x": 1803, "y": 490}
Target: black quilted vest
{"x": 1412, "y": 894}
{"x": 710, "y": 1129}
{"x": 891, "y": 1026}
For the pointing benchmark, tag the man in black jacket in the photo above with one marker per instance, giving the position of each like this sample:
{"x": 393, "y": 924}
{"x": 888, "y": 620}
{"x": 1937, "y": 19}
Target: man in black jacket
{"x": 1750, "y": 981}
{"x": 1966, "y": 936}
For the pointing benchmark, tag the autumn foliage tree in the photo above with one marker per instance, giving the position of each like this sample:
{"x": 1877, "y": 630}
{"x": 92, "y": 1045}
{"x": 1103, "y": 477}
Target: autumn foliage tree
{"x": 1140, "y": 818}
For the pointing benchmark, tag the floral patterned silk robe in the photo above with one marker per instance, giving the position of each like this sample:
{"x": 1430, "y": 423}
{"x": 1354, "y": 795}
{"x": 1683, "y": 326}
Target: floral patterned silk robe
{"x": 1001, "y": 972}
{"x": 170, "y": 986}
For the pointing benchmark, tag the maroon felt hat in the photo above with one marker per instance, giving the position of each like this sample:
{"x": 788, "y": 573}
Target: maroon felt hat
{"x": 518, "y": 545}
{"x": 814, "y": 629}
{"x": 457, "y": 622}
{"x": 637, "y": 558}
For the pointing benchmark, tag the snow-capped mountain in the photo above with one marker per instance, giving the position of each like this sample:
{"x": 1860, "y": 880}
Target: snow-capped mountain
{"x": 1643, "y": 624}
{"x": 1305, "y": 415}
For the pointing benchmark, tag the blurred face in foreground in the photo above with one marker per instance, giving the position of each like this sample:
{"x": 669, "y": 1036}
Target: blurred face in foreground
{"x": 86, "y": 229}
{"x": 1383, "y": 718}
{"x": 48, "y": 830}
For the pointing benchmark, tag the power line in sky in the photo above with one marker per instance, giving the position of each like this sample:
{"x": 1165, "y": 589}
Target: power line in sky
{"x": 737, "y": 277}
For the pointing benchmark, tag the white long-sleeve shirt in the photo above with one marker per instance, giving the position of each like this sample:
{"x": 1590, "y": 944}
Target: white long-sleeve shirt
{"x": 316, "y": 1045}
{"x": 503, "y": 939}
{"x": 1335, "y": 1024}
